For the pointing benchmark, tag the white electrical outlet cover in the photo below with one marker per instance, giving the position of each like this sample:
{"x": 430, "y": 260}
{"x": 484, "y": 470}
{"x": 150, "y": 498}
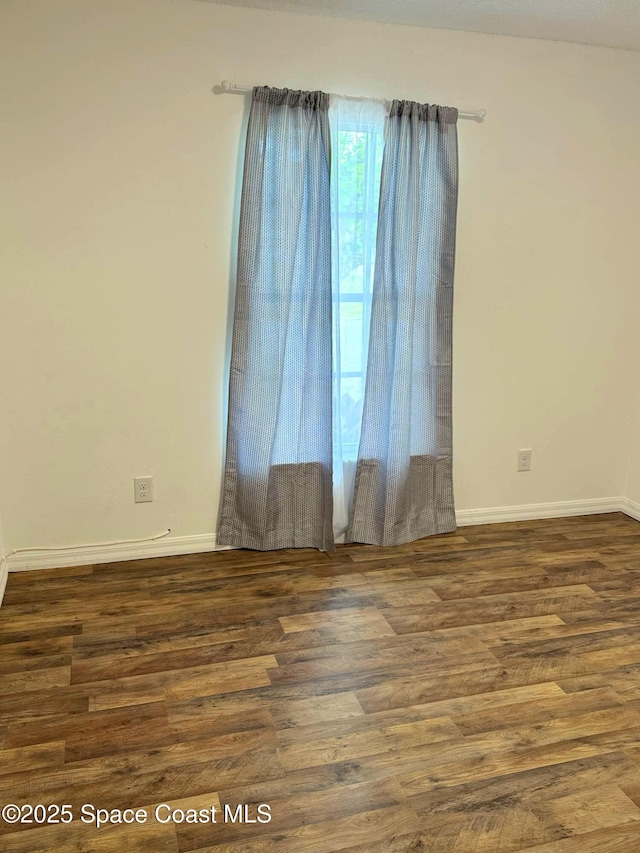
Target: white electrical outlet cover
{"x": 143, "y": 489}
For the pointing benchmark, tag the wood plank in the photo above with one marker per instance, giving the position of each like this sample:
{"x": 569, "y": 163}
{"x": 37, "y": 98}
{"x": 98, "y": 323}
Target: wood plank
{"x": 41, "y": 755}
{"x": 491, "y": 608}
{"x": 326, "y": 837}
{"x": 589, "y": 810}
{"x": 38, "y": 679}
{"x": 301, "y": 712}
{"x": 617, "y": 839}
{"x": 361, "y": 623}
{"x": 531, "y": 787}
{"x": 536, "y": 711}
{"x": 77, "y": 837}
{"x": 355, "y": 745}
{"x": 288, "y": 813}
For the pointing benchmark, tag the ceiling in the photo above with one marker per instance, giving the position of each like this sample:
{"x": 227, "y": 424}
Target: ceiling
{"x": 609, "y": 23}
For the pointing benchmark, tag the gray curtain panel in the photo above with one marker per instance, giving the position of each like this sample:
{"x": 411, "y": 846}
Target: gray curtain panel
{"x": 277, "y": 484}
{"x": 404, "y": 487}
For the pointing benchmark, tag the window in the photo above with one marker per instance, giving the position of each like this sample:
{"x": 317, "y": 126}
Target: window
{"x": 331, "y": 377}
{"x": 357, "y": 130}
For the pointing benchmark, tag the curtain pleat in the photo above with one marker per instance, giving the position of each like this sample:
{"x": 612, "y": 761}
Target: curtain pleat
{"x": 277, "y": 489}
{"x": 403, "y": 488}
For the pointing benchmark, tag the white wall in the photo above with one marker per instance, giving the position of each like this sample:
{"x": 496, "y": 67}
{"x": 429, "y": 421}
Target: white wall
{"x": 117, "y": 246}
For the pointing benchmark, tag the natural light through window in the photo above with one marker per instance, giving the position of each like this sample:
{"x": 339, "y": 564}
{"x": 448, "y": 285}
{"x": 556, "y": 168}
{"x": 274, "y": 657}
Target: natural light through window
{"x": 358, "y": 131}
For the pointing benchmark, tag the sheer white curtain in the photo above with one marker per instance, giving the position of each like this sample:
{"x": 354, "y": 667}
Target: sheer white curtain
{"x": 403, "y": 484}
{"x": 357, "y": 140}
{"x": 277, "y": 481}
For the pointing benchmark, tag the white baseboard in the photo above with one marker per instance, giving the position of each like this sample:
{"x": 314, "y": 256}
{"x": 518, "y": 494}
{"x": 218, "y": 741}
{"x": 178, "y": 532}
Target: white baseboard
{"x": 170, "y": 546}
{"x": 176, "y": 545}
{"x": 4, "y": 574}
{"x": 528, "y": 512}
{"x": 630, "y": 508}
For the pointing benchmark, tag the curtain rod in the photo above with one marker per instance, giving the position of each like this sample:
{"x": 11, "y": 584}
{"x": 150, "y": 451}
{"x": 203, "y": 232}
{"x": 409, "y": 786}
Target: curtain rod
{"x": 234, "y": 88}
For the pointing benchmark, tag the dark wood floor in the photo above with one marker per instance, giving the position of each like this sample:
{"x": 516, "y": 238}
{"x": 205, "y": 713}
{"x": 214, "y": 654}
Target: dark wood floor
{"x": 473, "y": 692}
